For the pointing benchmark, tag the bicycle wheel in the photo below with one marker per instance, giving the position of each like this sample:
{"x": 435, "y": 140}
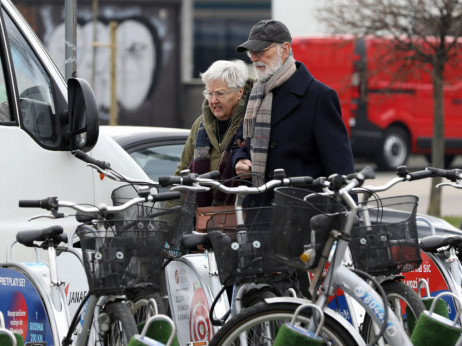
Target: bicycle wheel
{"x": 141, "y": 308}
{"x": 122, "y": 325}
{"x": 403, "y": 300}
{"x": 261, "y": 323}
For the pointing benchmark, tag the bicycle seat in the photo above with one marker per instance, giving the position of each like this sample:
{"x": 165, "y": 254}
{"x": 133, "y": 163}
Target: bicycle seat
{"x": 192, "y": 241}
{"x": 433, "y": 242}
{"x": 54, "y": 233}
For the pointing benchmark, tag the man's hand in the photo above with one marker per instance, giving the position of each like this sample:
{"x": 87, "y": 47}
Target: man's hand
{"x": 241, "y": 143}
{"x": 244, "y": 166}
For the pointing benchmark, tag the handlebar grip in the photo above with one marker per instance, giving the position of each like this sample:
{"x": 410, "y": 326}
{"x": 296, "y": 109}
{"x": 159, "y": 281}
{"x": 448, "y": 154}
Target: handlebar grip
{"x": 367, "y": 172}
{"x": 47, "y": 203}
{"x": 171, "y": 180}
{"x": 451, "y": 174}
{"x": 30, "y": 203}
{"x": 88, "y": 159}
{"x": 420, "y": 175}
{"x": 165, "y": 196}
{"x": 210, "y": 175}
{"x": 301, "y": 181}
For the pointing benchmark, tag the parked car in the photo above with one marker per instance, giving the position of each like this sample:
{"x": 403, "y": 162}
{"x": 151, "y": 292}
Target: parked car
{"x": 157, "y": 150}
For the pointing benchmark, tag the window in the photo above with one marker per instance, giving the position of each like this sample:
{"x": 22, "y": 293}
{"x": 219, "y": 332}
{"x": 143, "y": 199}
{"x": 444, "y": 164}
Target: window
{"x": 36, "y": 103}
{"x": 159, "y": 160}
{"x": 5, "y": 115}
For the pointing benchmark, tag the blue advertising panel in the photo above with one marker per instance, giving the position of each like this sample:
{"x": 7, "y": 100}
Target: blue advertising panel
{"x": 23, "y": 308}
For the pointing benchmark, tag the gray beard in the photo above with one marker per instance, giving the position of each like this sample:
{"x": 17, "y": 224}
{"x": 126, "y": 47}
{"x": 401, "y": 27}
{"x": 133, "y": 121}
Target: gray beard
{"x": 271, "y": 68}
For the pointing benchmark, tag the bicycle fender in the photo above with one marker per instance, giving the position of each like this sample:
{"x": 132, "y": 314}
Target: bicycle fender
{"x": 331, "y": 313}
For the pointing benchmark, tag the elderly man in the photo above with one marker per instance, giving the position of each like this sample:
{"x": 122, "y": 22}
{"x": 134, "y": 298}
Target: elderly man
{"x": 292, "y": 120}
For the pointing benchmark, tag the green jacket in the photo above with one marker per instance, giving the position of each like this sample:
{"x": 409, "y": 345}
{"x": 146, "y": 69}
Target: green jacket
{"x": 210, "y": 126}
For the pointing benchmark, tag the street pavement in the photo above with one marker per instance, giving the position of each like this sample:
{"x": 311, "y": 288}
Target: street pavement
{"x": 451, "y": 197}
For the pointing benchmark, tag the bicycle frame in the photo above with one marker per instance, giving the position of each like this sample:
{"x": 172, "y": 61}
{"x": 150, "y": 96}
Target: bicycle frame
{"x": 367, "y": 297}
{"x": 338, "y": 276}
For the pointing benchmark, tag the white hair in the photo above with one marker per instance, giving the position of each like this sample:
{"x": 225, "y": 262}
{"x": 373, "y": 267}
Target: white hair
{"x": 233, "y": 73}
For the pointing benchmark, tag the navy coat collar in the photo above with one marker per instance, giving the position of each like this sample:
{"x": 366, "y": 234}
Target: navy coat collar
{"x": 288, "y": 96}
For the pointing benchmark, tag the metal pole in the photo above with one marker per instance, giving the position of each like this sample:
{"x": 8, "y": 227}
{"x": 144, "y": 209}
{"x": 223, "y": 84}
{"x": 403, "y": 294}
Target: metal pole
{"x": 113, "y": 110}
{"x": 70, "y": 43}
{"x": 95, "y": 22}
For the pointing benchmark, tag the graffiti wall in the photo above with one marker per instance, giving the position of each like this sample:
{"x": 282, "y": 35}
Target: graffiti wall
{"x": 147, "y": 50}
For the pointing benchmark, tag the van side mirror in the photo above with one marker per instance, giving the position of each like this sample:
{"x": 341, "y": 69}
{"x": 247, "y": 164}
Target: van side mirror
{"x": 83, "y": 115}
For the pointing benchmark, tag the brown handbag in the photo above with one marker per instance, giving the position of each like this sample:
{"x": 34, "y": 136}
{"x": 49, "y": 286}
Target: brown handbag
{"x": 226, "y": 219}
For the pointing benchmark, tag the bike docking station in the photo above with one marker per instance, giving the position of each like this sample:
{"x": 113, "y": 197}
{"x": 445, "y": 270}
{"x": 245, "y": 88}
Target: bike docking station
{"x": 292, "y": 335}
{"x": 434, "y": 329}
{"x": 155, "y": 330}
{"x": 440, "y": 307}
{"x": 27, "y": 305}
{"x": 190, "y": 287}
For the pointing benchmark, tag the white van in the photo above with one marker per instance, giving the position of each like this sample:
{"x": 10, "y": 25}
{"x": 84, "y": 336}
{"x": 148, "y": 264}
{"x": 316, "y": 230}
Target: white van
{"x": 39, "y": 129}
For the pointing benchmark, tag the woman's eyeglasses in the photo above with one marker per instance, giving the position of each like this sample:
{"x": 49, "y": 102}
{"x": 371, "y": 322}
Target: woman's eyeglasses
{"x": 218, "y": 94}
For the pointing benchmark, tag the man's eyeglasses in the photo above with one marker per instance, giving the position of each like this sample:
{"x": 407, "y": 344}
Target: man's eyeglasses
{"x": 218, "y": 94}
{"x": 260, "y": 53}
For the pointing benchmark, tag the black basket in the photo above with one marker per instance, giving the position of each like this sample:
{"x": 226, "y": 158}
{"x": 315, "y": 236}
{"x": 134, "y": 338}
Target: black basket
{"x": 241, "y": 253}
{"x": 291, "y": 231}
{"x": 390, "y": 245}
{"x": 176, "y": 221}
{"x": 118, "y": 262}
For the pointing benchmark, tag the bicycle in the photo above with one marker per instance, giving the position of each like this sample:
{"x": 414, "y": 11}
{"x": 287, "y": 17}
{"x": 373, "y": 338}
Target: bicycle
{"x": 120, "y": 256}
{"x": 440, "y": 252}
{"x": 263, "y": 321}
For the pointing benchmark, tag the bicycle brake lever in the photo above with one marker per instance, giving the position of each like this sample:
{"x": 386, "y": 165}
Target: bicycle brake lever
{"x": 450, "y": 184}
{"x": 49, "y": 216}
{"x": 106, "y": 173}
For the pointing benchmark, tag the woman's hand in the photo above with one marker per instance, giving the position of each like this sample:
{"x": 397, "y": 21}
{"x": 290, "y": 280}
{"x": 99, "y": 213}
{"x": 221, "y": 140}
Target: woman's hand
{"x": 243, "y": 166}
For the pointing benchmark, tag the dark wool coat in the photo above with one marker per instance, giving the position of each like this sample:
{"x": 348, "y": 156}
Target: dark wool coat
{"x": 308, "y": 136}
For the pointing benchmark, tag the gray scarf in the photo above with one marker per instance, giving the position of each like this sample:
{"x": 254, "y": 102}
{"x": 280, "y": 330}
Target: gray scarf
{"x": 257, "y": 119}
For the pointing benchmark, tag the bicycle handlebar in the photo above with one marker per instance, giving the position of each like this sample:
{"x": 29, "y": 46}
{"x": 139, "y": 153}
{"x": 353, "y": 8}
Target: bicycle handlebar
{"x": 52, "y": 203}
{"x": 204, "y": 182}
{"x": 88, "y": 159}
{"x": 403, "y": 174}
{"x": 451, "y": 174}
{"x": 187, "y": 180}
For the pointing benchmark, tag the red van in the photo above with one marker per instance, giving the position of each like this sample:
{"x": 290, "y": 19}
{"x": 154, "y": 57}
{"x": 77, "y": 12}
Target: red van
{"x": 387, "y": 118}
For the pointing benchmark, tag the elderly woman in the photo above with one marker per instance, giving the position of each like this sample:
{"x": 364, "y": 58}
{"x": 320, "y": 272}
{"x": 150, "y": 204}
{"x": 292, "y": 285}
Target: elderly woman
{"x": 213, "y": 132}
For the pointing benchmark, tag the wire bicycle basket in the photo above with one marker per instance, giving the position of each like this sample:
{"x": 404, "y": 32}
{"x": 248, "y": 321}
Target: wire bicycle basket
{"x": 389, "y": 243}
{"x": 177, "y": 220}
{"x": 291, "y": 232}
{"x": 119, "y": 262}
{"x": 241, "y": 252}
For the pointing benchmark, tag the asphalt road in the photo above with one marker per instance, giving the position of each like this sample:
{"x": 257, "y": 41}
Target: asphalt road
{"x": 451, "y": 197}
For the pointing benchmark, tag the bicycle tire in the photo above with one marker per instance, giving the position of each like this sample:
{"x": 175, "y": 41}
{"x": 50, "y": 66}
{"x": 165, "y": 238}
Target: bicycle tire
{"x": 256, "y": 296}
{"x": 250, "y": 320}
{"x": 122, "y": 326}
{"x": 402, "y": 299}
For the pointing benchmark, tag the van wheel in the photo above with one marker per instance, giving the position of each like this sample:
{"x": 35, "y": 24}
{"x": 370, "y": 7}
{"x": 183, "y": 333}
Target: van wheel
{"x": 394, "y": 150}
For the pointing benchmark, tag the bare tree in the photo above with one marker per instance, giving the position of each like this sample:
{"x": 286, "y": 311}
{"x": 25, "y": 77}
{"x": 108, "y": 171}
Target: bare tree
{"x": 421, "y": 33}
